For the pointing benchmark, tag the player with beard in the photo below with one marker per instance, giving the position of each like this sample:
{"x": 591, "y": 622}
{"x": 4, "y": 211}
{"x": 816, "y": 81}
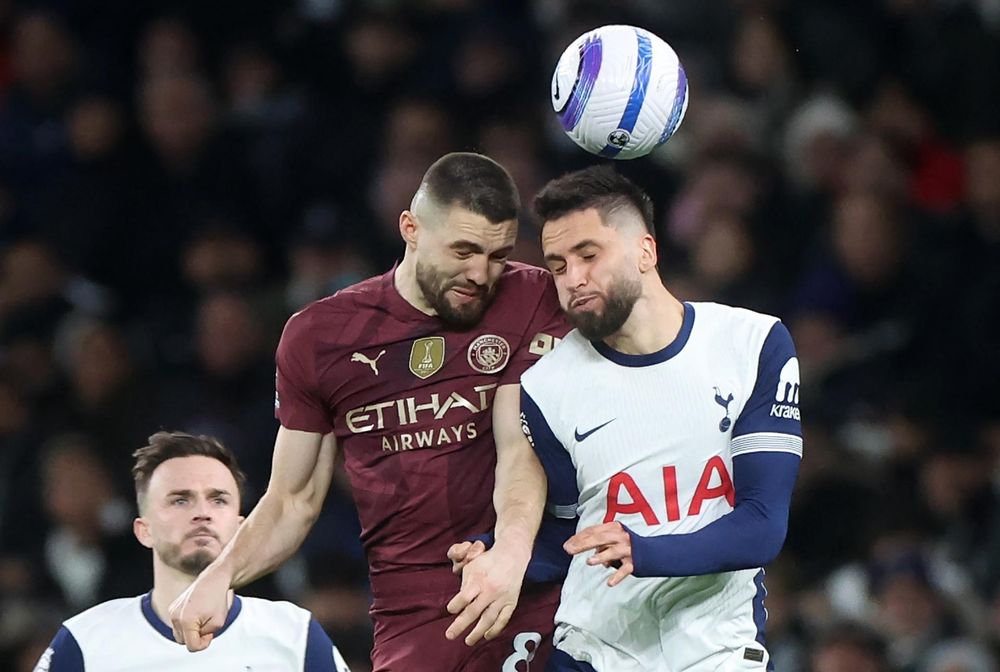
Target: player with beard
{"x": 413, "y": 376}
{"x": 188, "y": 491}
{"x": 671, "y": 440}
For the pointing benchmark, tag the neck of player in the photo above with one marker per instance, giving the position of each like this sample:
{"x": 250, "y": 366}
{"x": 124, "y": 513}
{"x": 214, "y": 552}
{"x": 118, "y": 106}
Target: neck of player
{"x": 654, "y": 323}
{"x": 405, "y": 281}
{"x": 168, "y": 584}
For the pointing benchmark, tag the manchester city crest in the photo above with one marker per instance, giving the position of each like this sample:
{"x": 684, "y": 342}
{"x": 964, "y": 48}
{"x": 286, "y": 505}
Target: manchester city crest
{"x": 489, "y": 353}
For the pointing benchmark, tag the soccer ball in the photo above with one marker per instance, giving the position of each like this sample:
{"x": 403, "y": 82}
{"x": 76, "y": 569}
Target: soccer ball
{"x": 619, "y": 91}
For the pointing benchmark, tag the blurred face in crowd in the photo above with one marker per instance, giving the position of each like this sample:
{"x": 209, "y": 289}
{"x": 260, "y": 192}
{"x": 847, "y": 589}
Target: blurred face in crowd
{"x": 177, "y": 116}
{"x": 982, "y": 165}
{"x": 866, "y": 238}
{"x": 597, "y": 268}
{"x": 190, "y": 510}
{"x": 228, "y": 335}
{"x": 95, "y": 127}
{"x": 42, "y": 54}
{"x": 100, "y": 363}
{"x": 844, "y": 657}
{"x": 724, "y": 252}
{"x": 759, "y": 54}
{"x": 907, "y": 607}
{"x": 75, "y": 487}
{"x": 168, "y": 48}
{"x": 459, "y": 258}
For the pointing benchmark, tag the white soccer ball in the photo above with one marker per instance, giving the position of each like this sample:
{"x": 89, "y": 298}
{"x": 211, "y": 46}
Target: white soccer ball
{"x": 619, "y": 91}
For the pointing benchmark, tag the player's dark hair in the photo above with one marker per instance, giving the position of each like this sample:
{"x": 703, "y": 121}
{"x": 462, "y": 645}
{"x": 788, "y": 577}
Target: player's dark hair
{"x": 474, "y": 182}
{"x": 165, "y": 446}
{"x": 600, "y": 187}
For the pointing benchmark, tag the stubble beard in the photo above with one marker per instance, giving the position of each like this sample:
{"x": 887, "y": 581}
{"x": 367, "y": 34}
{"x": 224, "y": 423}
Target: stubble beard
{"x": 434, "y": 287}
{"x": 191, "y": 564}
{"x": 618, "y": 304}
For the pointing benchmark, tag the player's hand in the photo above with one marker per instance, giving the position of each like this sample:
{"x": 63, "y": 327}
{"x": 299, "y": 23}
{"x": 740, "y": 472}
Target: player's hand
{"x": 464, "y": 553}
{"x": 200, "y": 610}
{"x": 613, "y": 546}
{"x": 491, "y": 584}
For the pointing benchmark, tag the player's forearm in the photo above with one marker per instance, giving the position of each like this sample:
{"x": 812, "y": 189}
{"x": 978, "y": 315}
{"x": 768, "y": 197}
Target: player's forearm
{"x": 750, "y": 536}
{"x": 739, "y": 540}
{"x": 519, "y": 493}
{"x": 519, "y": 500}
{"x": 272, "y": 532}
{"x": 300, "y": 478}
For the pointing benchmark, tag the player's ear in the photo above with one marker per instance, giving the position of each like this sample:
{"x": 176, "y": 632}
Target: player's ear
{"x": 239, "y": 520}
{"x": 140, "y": 528}
{"x": 408, "y": 228}
{"x": 647, "y": 254}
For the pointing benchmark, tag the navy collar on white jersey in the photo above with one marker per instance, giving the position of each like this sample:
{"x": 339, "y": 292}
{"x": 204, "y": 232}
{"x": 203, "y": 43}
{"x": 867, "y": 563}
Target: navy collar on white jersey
{"x": 651, "y": 358}
{"x": 166, "y": 631}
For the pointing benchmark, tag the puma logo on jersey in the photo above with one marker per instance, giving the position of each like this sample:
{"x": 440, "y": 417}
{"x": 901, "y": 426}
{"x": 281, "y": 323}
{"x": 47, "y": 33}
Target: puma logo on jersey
{"x": 364, "y": 359}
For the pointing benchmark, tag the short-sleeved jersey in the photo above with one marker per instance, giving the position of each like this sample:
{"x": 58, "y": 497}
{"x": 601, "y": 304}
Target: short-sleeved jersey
{"x": 649, "y": 440}
{"x": 126, "y": 634}
{"x": 409, "y": 401}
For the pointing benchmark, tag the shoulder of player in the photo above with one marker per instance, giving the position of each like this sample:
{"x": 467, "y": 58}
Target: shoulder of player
{"x": 104, "y": 615}
{"x": 723, "y": 319}
{"x": 521, "y": 277}
{"x": 275, "y": 611}
{"x": 563, "y": 362}
{"x": 327, "y": 312}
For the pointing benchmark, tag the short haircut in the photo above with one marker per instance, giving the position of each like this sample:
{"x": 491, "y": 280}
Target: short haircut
{"x": 165, "y": 446}
{"x": 599, "y": 187}
{"x": 474, "y": 182}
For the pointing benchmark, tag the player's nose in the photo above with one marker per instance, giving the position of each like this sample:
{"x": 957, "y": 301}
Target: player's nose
{"x": 575, "y": 275}
{"x": 477, "y": 270}
{"x": 201, "y": 511}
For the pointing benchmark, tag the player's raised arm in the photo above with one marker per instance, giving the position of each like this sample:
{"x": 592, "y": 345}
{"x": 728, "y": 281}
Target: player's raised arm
{"x": 300, "y": 477}
{"x": 491, "y": 583}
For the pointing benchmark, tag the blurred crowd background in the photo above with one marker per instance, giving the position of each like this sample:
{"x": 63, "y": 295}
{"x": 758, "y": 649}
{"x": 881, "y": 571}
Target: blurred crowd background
{"x": 178, "y": 177}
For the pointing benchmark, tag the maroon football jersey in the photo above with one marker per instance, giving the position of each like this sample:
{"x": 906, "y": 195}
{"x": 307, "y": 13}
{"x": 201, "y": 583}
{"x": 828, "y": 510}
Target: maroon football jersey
{"x": 410, "y": 403}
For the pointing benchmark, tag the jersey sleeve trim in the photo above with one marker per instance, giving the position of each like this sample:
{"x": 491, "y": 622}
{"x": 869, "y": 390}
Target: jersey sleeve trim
{"x": 565, "y": 511}
{"x": 766, "y": 442}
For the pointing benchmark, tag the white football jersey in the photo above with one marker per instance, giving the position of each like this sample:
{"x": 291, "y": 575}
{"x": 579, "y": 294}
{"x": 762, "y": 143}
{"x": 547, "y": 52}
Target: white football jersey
{"x": 652, "y": 438}
{"x": 126, "y": 634}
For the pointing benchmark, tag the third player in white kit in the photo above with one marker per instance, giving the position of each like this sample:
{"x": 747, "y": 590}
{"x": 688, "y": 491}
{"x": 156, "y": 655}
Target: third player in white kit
{"x": 671, "y": 432}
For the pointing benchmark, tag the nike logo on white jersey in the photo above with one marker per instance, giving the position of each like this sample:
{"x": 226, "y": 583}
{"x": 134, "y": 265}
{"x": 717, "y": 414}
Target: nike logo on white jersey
{"x": 580, "y": 437}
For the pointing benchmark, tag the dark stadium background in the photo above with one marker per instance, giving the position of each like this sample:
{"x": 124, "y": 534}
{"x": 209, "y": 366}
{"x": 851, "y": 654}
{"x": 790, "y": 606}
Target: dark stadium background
{"x": 176, "y": 178}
